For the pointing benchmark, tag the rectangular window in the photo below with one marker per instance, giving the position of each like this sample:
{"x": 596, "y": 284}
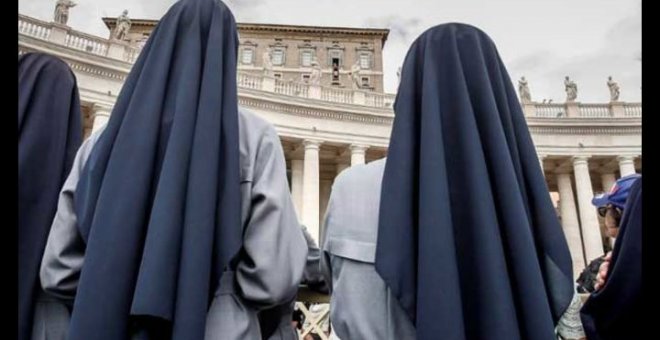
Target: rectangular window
{"x": 365, "y": 81}
{"x": 335, "y": 71}
{"x": 247, "y": 56}
{"x": 278, "y": 57}
{"x": 334, "y": 57}
{"x": 365, "y": 61}
{"x": 306, "y": 58}
{"x": 277, "y": 75}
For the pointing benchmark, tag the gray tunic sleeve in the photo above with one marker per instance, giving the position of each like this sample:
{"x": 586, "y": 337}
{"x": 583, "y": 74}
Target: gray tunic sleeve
{"x": 274, "y": 247}
{"x": 65, "y": 249}
{"x": 325, "y": 267}
{"x": 570, "y": 325}
{"x": 312, "y": 275}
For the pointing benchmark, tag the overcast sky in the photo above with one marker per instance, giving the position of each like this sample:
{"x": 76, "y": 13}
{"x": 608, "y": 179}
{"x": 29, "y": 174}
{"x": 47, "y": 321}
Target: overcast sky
{"x": 587, "y": 40}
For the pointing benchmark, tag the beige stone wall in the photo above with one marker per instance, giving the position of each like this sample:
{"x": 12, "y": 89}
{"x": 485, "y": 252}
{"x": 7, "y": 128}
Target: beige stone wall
{"x": 294, "y": 39}
{"x": 319, "y": 44}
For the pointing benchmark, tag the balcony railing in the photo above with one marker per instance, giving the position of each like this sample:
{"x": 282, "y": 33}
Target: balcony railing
{"x": 583, "y": 110}
{"x": 66, "y": 36}
{"x": 550, "y": 110}
{"x": 86, "y": 42}
{"x": 595, "y": 111}
{"x": 310, "y": 91}
{"x": 632, "y": 109}
{"x": 33, "y": 27}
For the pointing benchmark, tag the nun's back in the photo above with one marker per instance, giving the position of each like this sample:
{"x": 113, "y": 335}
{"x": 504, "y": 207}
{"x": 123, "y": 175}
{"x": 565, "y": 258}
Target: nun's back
{"x": 49, "y": 133}
{"x": 271, "y": 266}
{"x": 361, "y": 305}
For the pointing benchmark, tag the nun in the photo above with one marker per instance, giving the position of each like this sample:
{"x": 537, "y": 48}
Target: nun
{"x": 49, "y": 133}
{"x": 616, "y": 311}
{"x": 361, "y": 305}
{"x": 453, "y": 236}
{"x": 176, "y": 220}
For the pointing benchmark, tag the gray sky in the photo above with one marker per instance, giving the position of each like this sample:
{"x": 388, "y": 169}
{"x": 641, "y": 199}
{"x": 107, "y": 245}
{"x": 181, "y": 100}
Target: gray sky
{"x": 587, "y": 40}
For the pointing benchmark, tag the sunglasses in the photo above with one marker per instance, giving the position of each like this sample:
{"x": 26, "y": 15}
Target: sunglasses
{"x": 602, "y": 211}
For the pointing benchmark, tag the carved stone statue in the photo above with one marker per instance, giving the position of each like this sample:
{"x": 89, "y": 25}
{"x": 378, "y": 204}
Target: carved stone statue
{"x": 268, "y": 63}
{"x": 123, "y": 26}
{"x": 315, "y": 77}
{"x": 355, "y": 74}
{"x": 571, "y": 89}
{"x": 62, "y": 11}
{"x": 523, "y": 90}
{"x": 614, "y": 89}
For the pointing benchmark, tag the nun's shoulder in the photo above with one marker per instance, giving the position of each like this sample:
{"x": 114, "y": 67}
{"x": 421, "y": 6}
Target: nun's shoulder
{"x": 258, "y": 142}
{"x": 249, "y": 122}
{"x": 357, "y": 175}
{"x": 88, "y": 144}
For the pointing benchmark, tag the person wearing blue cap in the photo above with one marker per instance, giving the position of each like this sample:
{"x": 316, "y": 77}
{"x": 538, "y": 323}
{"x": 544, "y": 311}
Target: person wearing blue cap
{"x": 615, "y": 310}
{"x": 610, "y": 206}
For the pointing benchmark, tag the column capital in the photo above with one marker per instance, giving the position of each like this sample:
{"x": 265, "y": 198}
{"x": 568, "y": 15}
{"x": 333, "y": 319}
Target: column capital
{"x": 584, "y": 159}
{"x": 312, "y": 144}
{"x": 355, "y": 148}
{"x": 626, "y": 165}
{"x": 100, "y": 116}
{"x": 101, "y": 110}
{"x": 626, "y": 158}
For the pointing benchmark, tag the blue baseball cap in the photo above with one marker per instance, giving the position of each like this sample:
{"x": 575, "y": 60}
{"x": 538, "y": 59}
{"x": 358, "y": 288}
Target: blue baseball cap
{"x": 618, "y": 193}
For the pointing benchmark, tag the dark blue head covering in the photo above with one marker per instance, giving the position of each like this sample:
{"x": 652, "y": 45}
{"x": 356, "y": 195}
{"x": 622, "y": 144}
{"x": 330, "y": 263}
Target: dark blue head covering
{"x": 158, "y": 201}
{"x": 49, "y": 134}
{"x": 468, "y": 239}
{"x": 616, "y": 311}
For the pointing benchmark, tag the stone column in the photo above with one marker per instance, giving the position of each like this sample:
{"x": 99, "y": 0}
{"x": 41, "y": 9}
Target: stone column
{"x": 608, "y": 181}
{"x": 593, "y": 242}
{"x": 100, "y": 117}
{"x": 297, "y": 184}
{"x": 358, "y": 154}
{"x": 569, "y": 221}
{"x": 626, "y": 165}
{"x": 310, "y": 196}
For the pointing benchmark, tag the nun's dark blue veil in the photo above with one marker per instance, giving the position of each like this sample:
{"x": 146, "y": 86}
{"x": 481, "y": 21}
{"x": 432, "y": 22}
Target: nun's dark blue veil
{"x": 616, "y": 311}
{"x": 468, "y": 238}
{"x": 158, "y": 201}
{"x": 49, "y": 134}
